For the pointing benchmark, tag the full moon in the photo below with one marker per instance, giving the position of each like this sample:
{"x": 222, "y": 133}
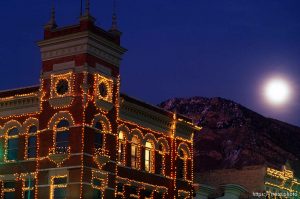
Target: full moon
{"x": 277, "y": 91}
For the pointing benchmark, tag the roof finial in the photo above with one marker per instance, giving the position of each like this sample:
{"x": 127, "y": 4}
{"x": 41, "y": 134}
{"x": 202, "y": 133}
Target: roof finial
{"x": 87, "y": 7}
{"x": 80, "y": 8}
{"x": 53, "y": 14}
{"x": 87, "y": 15}
{"x": 114, "y": 25}
{"x": 52, "y": 22}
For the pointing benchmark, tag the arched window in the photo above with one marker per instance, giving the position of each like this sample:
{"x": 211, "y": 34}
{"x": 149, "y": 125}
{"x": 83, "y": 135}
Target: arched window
{"x": 122, "y": 148}
{"x": 98, "y": 142}
{"x": 161, "y": 163}
{"x": 97, "y": 188}
{"x": 12, "y": 144}
{"x": 135, "y": 152}
{"x": 63, "y": 124}
{"x": 149, "y": 157}
{"x": 182, "y": 164}
{"x": 31, "y": 142}
{"x": 62, "y": 136}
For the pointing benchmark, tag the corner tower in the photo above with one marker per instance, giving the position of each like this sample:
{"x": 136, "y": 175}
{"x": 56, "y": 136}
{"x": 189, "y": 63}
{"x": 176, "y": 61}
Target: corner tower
{"x": 80, "y": 47}
{"x": 79, "y": 108}
{"x": 73, "y": 55}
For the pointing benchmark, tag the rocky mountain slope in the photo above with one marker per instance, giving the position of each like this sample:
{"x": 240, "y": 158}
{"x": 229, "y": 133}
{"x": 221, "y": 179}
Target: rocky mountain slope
{"x": 234, "y": 136}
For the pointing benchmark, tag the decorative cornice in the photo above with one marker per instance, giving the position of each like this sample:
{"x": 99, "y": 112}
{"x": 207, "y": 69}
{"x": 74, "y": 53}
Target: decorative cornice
{"x": 18, "y": 105}
{"x": 151, "y": 119}
{"x": 80, "y": 43}
{"x": 184, "y": 130}
{"x": 144, "y": 117}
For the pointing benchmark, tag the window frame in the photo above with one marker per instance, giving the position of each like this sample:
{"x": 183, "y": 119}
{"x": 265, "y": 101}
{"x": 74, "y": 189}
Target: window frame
{"x": 97, "y": 187}
{"x": 59, "y": 130}
{"x": 162, "y": 155}
{"x": 122, "y": 143}
{"x": 8, "y": 190}
{"x": 27, "y": 188}
{"x": 54, "y": 186}
{"x": 182, "y": 157}
{"x": 7, "y": 148}
{"x": 149, "y": 158}
{"x": 119, "y": 193}
{"x": 98, "y": 131}
{"x": 135, "y": 158}
{"x": 29, "y": 135}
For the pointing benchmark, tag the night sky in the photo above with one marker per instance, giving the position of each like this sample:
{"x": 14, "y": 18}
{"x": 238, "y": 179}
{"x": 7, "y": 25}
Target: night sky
{"x": 176, "y": 48}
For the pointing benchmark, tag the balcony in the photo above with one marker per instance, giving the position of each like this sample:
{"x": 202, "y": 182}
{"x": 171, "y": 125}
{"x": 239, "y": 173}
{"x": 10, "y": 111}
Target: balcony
{"x": 59, "y": 154}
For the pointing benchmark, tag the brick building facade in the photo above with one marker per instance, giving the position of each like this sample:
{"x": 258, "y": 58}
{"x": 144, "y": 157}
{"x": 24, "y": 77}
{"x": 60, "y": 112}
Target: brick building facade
{"x": 249, "y": 182}
{"x": 76, "y": 136}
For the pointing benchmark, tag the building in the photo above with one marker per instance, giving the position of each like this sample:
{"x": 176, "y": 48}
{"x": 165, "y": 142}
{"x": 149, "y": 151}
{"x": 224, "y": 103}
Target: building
{"x": 76, "y": 136}
{"x": 249, "y": 182}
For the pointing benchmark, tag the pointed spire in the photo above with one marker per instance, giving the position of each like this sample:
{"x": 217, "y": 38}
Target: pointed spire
{"x": 81, "y": 8}
{"x": 53, "y": 15}
{"x": 87, "y": 7}
{"x": 114, "y": 24}
{"x": 87, "y": 15}
{"x": 52, "y": 22}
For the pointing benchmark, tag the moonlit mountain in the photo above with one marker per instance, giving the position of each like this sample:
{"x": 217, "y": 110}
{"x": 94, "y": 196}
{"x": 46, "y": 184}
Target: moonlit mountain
{"x": 234, "y": 136}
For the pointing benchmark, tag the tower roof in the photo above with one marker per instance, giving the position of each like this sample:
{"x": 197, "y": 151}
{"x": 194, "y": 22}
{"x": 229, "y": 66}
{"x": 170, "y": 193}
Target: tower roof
{"x": 52, "y": 22}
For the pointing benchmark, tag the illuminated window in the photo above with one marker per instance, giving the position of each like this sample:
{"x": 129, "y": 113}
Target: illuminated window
{"x": 13, "y": 144}
{"x": 149, "y": 157}
{"x": 161, "y": 160}
{"x": 97, "y": 188}
{"x": 122, "y": 148}
{"x": 62, "y": 136}
{"x": 28, "y": 189}
{"x": 135, "y": 153}
{"x": 181, "y": 164}
{"x": 9, "y": 189}
{"x": 98, "y": 143}
{"x": 59, "y": 187}
{"x": 31, "y": 142}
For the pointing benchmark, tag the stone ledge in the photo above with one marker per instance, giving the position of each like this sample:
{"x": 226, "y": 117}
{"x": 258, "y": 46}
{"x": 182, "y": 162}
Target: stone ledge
{"x": 19, "y": 106}
{"x": 60, "y": 102}
{"x": 107, "y": 106}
